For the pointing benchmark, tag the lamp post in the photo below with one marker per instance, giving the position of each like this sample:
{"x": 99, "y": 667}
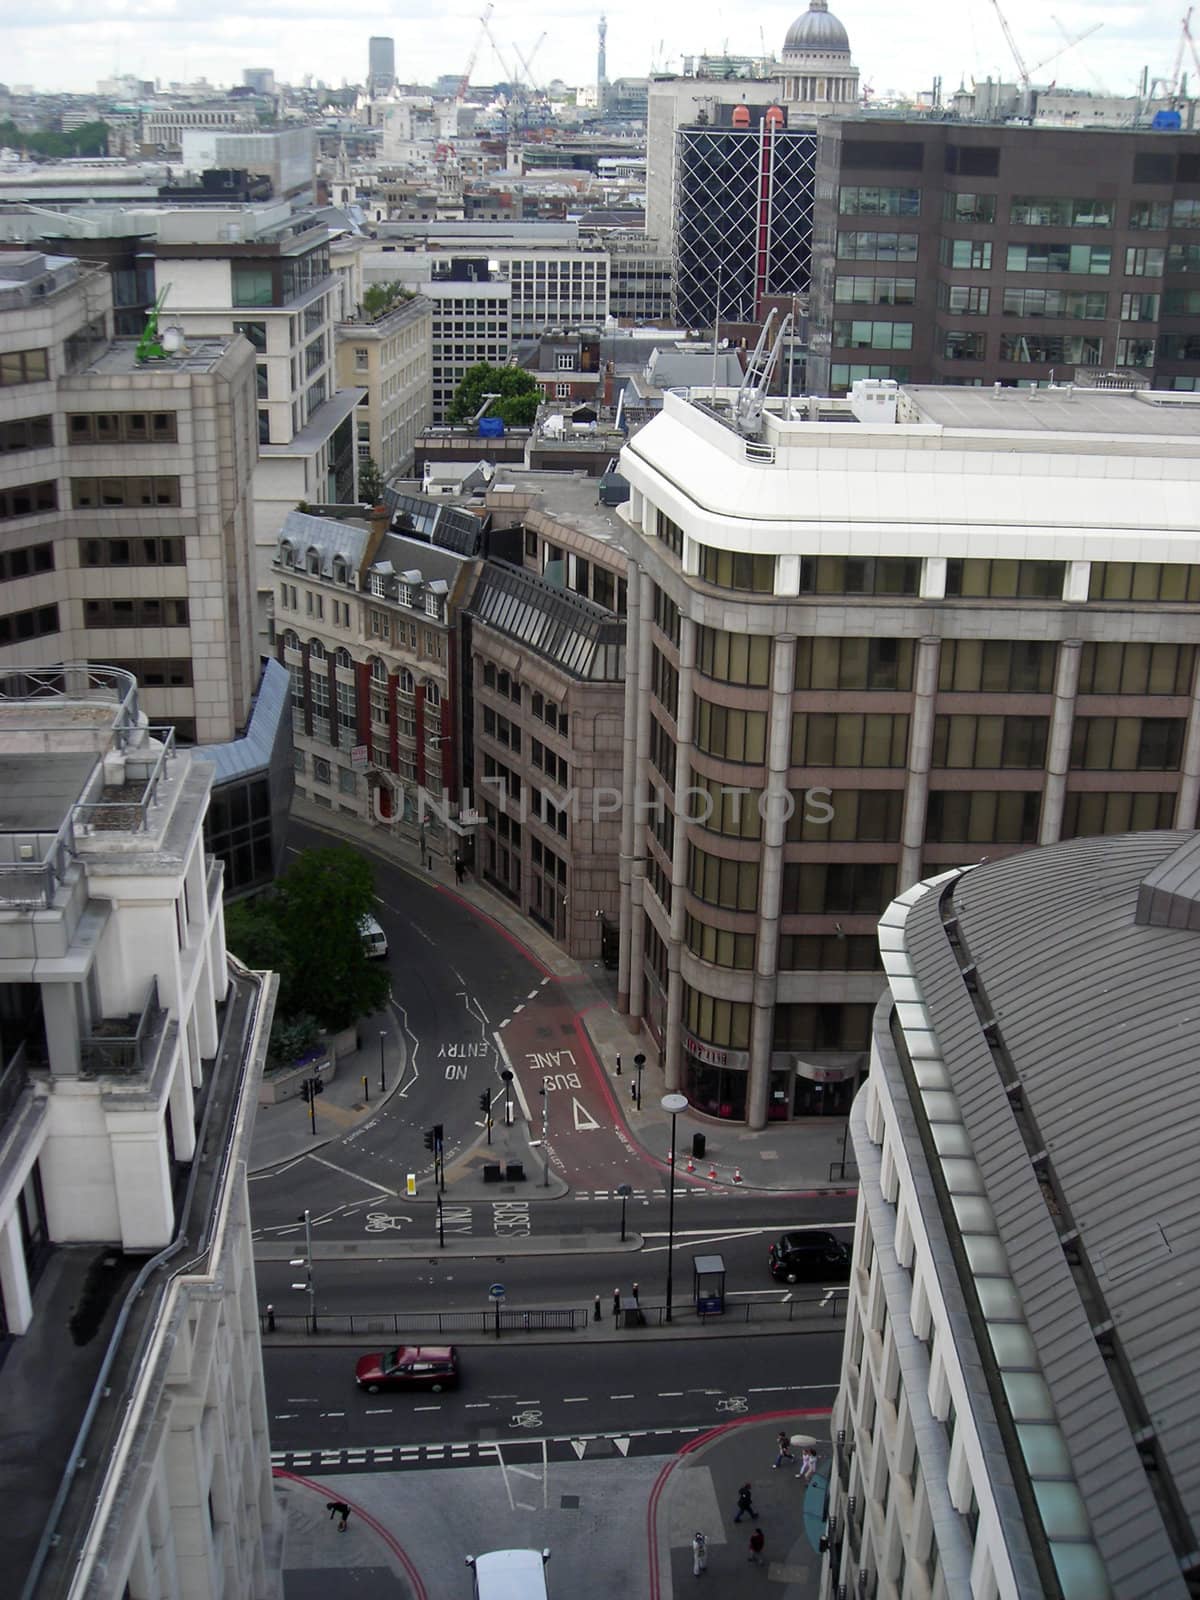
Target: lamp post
{"x": 545, "y": 1138}
{"x": 639, "y": 1061}
{"x": 306, "y": 1263}
{"x": 382, "y": 1037}
{"x": 506, "y": 1078}
{"x": 674, "y": 1103}
{"x": 624, "y": 1190}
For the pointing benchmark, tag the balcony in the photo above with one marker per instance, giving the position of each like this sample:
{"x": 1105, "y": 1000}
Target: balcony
{"x": 126, "y": 1047}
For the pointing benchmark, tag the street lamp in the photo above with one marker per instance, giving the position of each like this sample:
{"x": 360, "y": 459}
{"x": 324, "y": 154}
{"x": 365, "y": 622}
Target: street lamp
{"x": 674, "y": 1103}
{"x": 545, "y": 1139}
{"x": 639, "y": 1061}
{"x": 624, "y": 1190}
{"x": 382, "y": 1037}
{"x": 306, "y": 1262}
{"x": 506, "y": 1079}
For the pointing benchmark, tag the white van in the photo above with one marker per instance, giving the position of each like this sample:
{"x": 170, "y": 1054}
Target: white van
{"x": 373, "y": 937}
{"x": 510, "y": 1575}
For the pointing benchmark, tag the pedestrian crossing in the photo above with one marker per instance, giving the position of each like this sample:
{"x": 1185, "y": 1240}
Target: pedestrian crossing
{"x": 646, "y": 1195}
{"x": 486, "y": 1452}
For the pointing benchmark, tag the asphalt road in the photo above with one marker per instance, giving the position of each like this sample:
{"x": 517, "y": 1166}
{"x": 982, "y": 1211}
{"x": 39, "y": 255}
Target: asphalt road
{"x": 556, "y": 1392}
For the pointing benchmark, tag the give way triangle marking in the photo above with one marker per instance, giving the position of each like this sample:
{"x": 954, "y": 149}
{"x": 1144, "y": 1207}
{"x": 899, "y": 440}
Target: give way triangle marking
{"x": 584, "y": 1120}
{"x": 622, "y": 1445}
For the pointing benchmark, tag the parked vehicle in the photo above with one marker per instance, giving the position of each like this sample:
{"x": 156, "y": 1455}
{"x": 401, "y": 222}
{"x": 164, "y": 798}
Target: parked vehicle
{"x": 373, "y": 937}
{"x": 409, "y": 1366}
{"x": 510, "y": 1575}
{"x": 815, "y": 1257}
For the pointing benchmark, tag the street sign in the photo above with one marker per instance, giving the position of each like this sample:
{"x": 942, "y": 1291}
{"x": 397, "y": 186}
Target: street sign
{"x": 496, "y": 1292}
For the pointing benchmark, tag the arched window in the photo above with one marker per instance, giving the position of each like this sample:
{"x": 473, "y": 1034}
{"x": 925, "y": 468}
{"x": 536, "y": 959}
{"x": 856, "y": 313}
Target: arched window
{"x": 339, "y": 570}
{"x": 285, "y": 553}
{"x": 316, "y": 650}
{"x": 433, "y": 693}
{"x": 343, "y": 658}
{"x": 290, "y": 641}
{"x": 314, "y": 562}
{"x": 405, "y": 684}
{"x": 378, "y": 670}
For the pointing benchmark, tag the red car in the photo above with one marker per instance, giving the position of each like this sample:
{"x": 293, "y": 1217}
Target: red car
{"x": 409, "y": 1366}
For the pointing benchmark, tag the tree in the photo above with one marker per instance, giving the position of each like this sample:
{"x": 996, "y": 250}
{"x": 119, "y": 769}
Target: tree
{"x": 518, "y": 395}
{"x": 379, "y": 299}
{"x": 307, "y": 930}
{"x": 370, "y": 482}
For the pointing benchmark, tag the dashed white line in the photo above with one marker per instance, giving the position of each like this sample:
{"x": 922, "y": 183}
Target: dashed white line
{"x": 670, "y": 1394}
{"x": 427, "y": 1408}
{"x": 518, "y": 1009}
{"x": 532, "y": 995}
{"x": 620, "y": 1397}
{"x": 574, "y": 1399}
{"x": 379, "y": 1411}
{"x": 477, "y": 1405}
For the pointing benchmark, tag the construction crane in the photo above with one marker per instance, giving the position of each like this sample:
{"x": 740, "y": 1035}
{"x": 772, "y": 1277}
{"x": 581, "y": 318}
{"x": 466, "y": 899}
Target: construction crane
{"x": 465, "y": 81}
{"x": 1025, "y": 73}
{"x": 486, "y": 19}
{"x": 1068, "y": 41}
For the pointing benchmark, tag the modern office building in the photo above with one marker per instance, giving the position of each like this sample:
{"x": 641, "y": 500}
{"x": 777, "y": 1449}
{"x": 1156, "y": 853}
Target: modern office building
{"x": 390, "y": 356}
{"x": 639, "y": 281}
{"x": 471, "y": 324}
{"x": 1018, "y": 1412}
{"x": 909, "y": 630}
{"x": 125, "y": 499}
{"x": 544, "y": 655}
{"x": 131, "y": 1052}
{"x": 381, "y": 66}
{"x": 973, "y": 253}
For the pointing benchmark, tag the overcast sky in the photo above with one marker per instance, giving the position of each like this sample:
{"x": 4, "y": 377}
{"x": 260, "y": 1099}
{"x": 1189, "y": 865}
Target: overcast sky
{"x": 59, "y": 44}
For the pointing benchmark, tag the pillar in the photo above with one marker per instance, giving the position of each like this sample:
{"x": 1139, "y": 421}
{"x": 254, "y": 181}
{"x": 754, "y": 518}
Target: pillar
{"x": 673, "y": 1031}
{"x": 1058, "y": 745}
{"x": 920, "y": 756}
{"x": 641, "y": 773}
{"x": 1189, "y": 777}
{"x": 776, "y": 797}
{"x": 629, "y": 780}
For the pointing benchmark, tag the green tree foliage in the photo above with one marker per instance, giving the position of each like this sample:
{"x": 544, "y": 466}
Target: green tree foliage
{"x": 306, "y": 929}
{"x": 519, "y": 395}
{"x": 370, "y": 482}
{"x": 90, "y": 139}
{"x": 379, "y": 299}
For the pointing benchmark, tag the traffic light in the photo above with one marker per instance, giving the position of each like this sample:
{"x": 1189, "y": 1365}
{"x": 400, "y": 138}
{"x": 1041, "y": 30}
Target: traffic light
{"x": 318, "y": 1086}
{"x": 437, "y": 1135}
{"x": 306, "y": 1090}
{"x": 485, "y": 1100}
{"x": 429, "y": 1138}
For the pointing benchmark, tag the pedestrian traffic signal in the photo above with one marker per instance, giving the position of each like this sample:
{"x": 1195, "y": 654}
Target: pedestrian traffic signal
{"x": 429, "y": 1138}
{"x": 437, "y": 1135}
{"x": 485, "y": 1100}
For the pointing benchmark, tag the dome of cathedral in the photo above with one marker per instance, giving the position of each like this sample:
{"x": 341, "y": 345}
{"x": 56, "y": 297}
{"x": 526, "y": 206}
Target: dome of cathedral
{"x": 818, "y": 31}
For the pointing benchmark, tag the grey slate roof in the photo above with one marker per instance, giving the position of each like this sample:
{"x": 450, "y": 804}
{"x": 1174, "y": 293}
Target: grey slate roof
{"x": 1096, "y": 1016}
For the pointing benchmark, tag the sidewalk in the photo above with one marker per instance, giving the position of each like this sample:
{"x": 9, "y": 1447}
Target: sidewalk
{"x": 787, "y": 1157}
{"x": 698, "y": 1491}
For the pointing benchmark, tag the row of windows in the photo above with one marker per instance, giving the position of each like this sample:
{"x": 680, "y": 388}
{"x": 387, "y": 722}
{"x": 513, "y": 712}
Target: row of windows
{"x": 848, "y": 739}
{"x": 731, "y": 734}
{"x": 547, "y": 711}
{"x": 121, "y": 427}
{"x": 501, "y": 729}
{"x": 545, "y": 760}
{"x": 1170, "y": 582}
{"x": 23, "y": 366}
{"x": 26, "y": 561}
{"x": 670, "y": 533}
{"x": 996, "y": 666}
{"x": 165, "y": 552}
{"x": 1082, "y": 258}
{"x": 854, "y": 663}
{"x": 1010, "y": 580}
{"x": 664, "y": 683}
{"x": 159, "y": 674}
{"x": 991, "y": 742}
{"x": 36, "y": 623}
{"x": 26, "y": 433}
{"x": 877, "y": 246}
{"x": 873, "y": 335}
{"x": 666, "y": 616}
{"x": 860, "y": 574}
{"x": 27, "y": 499}
{"x": 733, "y": 657}
{"x": 503, "y": 682}
{"x": 851, "y": 888}
{"x": 113, "y": 492}
{"x": 873, "y": 201}
{"x": 876, "y": 291}
{"x": 662, "y": 751}
{"x": 737, "y": 569}
{"x": 143, "y": 611}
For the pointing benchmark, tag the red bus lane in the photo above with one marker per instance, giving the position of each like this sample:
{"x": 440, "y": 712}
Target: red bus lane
{"x": 549, "y": 1049}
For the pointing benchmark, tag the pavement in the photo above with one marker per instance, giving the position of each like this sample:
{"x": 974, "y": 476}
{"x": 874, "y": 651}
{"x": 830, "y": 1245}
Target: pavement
{"x": 696, "y": 1488}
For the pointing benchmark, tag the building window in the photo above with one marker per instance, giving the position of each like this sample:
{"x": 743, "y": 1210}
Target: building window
{"x": 819, "y": 952}
{"x": 853, "y": 663}
{"x": 851, "y": 816}
{"x": 983, "y": 816}
{"x": 808, "y": 1027}
{"x": 719, "y": 882}
{"x": 670, "y": 533}
{"x": 26, "y": 561}
{"x": 26, "y": 433}
{"x": 27, "y": 500}
{"x": 737, "y": 569}
{"x": 1075, "y": 258}
{"x": 1059, "y": 350}
{"x": 875, "y": 291}
{"x": 112, "y": 493}
{"x": 969, "y": 208}
{"x": 718, "y": 1022}
{"x": 166, "y": 552}
{"x": 989, "y": 742}
{"x": 1119, "y": 812}
{"x": 1089, "y": 305}
{"x": 1009, "y": 580}
{"x": 321, "y": 770}
{"x": 1056, "y": 211}
{"x": 565, "y": 361}
{"x": 142, "y": 611}
{"x": 960, "y": 346}
{"x": 730, "y": 810}
{"x": 733, "y": 657}
{"x": 362, "y": 358}
{"x": 848, "y": 739}
{"x": 122, "y": 427}
{"x": 860, "y": 575}
{"x": 873, "y": 335}
{"x": 252, "y": 286}
{"x": 347, "y": 780}
{"x": 22, "y": 366}
{"x": 967, "y": 255}
{"x": 18, "y": 626}
{"x": 1127, "y": 744}
{"x": 996, "y": 666}
{"x": 1170, "y": 583}
{"x": 877, "y": 246}
{"x": 255, "y": 332}
{"x": 719, "y": 946}
{"x": 1136, "y": 669}
{"x": 731, "y": 734}
{"x": 849, "y": 888}
{"x": 869, "y": 201}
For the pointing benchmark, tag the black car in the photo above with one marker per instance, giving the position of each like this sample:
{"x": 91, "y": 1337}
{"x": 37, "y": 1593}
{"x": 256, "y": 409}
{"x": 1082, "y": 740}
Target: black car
{"x": 815, "y": 1257}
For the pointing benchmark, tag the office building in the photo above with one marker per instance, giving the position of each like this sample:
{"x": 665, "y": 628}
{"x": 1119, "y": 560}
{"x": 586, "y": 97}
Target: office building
{"x": 381, "y": 66}
{"x": 639, "y": 281}
{"x": 125, "y": 499}
{"x": 390, "y": 356}
{"x": 1017, "y": 1412}
{"x": 132, "y": 1048}
{"x": 968, "y": 253}
{"x": 471, "y": 324}
{"x": 912, "y": 629}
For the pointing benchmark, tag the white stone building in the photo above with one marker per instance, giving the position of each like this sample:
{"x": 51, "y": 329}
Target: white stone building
{"x": 125, "y": 1033}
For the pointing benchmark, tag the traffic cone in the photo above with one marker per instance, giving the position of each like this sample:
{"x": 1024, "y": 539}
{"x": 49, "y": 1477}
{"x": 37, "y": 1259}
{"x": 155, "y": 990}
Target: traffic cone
{"x": 737, "y": 1174}
{"x": 670, "y": 1158}
{"x": 712, "y": 1171}
{"x": 691, "y": 1165}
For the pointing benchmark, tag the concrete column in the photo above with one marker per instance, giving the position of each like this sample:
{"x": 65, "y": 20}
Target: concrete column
{"x": 629, "y": 767}
{"x": 1189, "y": 779}
{"x": 1078, "y": 581}
{"x": 672, "y": 1034}
{"x": 14, "y": 1279}
{"x": 1058, "y": 745}
{"x": 920, "y": 754}
{"x": 770, "y": 879}
{"x": 637, "y": 933}
{"x": 62, "y": 1020}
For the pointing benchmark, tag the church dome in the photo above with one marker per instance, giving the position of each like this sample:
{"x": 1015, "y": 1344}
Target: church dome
{"x": 818, "y": 31}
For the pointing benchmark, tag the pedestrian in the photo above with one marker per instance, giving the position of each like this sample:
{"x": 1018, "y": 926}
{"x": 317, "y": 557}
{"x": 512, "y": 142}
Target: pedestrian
{"x": 460, "y": 870}
{"x": 784, "y": 1450}
{"x": 338, "y": 1508}
{"x": 616, "y": 1304}
{"x": 808, "y": 1465}
{"x": 633, "y": 1090}
{"x": 699, "y": 1554}
{"x": 757, "y": 1540}
{"x": 745, "y": 1504}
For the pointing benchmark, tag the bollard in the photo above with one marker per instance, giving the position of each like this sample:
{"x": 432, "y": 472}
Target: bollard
{"x": 670, "y": 1158}
{"x": 636, "y": 1292}
{"x": 617, "y": 1305}
{"x": 366, "y": 1090}
{"x": 270, "y": 1319}
{"x": 596, "y": 1310}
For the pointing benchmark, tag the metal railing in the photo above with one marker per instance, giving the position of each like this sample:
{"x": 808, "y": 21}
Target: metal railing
{"x": 127, "y": 809}
{"x": 13, "y": 1082}
{"x": 125, "y": 1054}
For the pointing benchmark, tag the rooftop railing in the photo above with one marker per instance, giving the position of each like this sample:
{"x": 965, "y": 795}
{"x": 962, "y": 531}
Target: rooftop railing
{"x": 125, "y": 1046}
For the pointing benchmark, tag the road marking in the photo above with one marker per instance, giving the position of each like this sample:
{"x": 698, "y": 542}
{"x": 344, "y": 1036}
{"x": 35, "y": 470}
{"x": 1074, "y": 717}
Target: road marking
{"x": 357, "y": 1176}
{"x": 620, "y": 1397}
{"x": 380, "y": 1411}
{"x": 477, "y": 1405}
{"x": 574, "y": 1399}
{"x": 427, "y": 1408}
{"x": 532, "y": 995}
{"x": 670, "y": 1394}
{"x": 579, "y": 1446}
{"x": 622, "y": 1445}
{"x": 517, "y": 1010}
{"x": 516, "y": 1082}
{"x": 584, "y": 1121}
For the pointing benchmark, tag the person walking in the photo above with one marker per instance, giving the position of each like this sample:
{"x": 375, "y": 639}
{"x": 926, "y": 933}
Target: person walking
{"x": 699, "y": 1554}
{"x": 783, "y": 1451}
{"x": 745, "y": 1504}
{"x": 808, "y": 1465}
{"x": 460, "y": 869}
{"x": 338, "y": 1508}
{"x": 757, "y": 1540}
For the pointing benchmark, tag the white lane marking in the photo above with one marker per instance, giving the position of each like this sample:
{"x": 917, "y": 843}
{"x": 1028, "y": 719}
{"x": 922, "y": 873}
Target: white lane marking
{"x": 547, "y": 979}
{"x": 584, "y": 1120}
{"x": 575, "y": 1399}
{"x": 477, "y": 1405}
{"x": 286, "y": 1416}
{"x": 532, "y": 995}
{"x": 620, "y": 1397}
{"x": 517, "y": 1010}
{"x": 516, "y": 1082}
{"x": 670, "y": 1394}
{"x": 380, "y": 1411}
{"x": 427, "y": 1408}
{"x": 357, "y": 1176}
{"x": 777, "y": 1388}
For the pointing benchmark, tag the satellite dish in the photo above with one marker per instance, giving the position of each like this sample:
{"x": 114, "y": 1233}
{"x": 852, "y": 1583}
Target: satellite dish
{"x": 171, "y": 340}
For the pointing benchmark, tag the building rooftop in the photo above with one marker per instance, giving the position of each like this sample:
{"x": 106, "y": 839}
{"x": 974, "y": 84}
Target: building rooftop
{"x": 569, "y": 497}
{"x": 1115, "y": 413}
{"x": 199, "y": 355}
{"x": 1048, "y": 1018}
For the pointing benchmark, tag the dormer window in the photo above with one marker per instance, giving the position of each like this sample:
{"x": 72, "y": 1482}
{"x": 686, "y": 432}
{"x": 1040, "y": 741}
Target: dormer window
{"x": 285, "y": 553}
{"x": 433, "y": 605}
{"x": 339, "y": 570}
{"x": 314, "y": 563}
{"x": 378, "y": 587}
{"x": 403, "y": 594}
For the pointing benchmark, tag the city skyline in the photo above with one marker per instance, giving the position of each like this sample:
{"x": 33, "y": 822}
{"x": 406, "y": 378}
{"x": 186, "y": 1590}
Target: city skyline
{"x": 170, "y": 42}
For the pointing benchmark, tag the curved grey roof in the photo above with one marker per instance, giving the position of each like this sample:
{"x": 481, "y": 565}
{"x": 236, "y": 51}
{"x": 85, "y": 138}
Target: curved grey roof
{"x": 816, "y": 31}
{"x": 1064, "y": 1010}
